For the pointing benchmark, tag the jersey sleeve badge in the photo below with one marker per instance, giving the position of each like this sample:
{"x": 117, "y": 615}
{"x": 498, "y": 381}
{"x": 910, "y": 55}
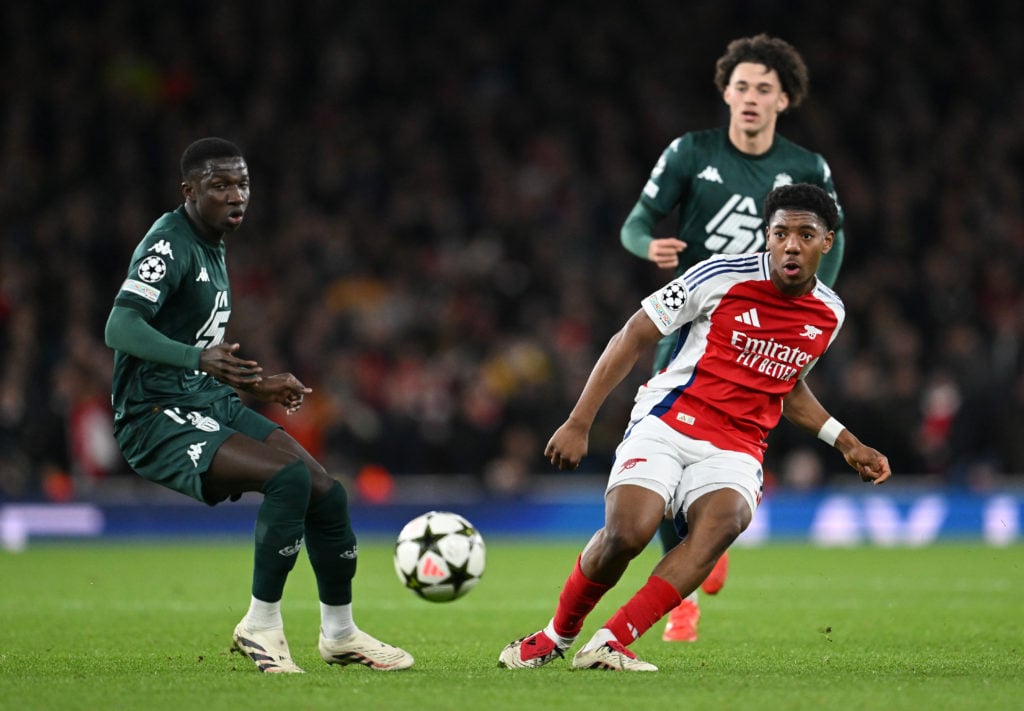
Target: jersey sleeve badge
{"x": 673, "y": 296}
{"x": 152, "y": 269}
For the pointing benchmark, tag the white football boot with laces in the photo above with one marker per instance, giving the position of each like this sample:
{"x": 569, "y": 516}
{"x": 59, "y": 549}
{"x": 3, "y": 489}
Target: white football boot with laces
{"x": 610, "y": 656}
{"x": 361, "y": 648}
{"x": 530, "y": 652}
{"x": 268, "y": 650}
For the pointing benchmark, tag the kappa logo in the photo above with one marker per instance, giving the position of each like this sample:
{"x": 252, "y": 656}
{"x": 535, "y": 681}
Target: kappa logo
{"x": 203, "y": 276}
{"x": 350, "y": 554}
{"x": 162, "y": 247}
{"x": 750, "y": 318}
{"x": 710, "y": 174}
{"x": 630, "y": 463}
{"x": 195, "y": 451}
{"x": 811, "y": 332}
{"x": 291, "y": 550}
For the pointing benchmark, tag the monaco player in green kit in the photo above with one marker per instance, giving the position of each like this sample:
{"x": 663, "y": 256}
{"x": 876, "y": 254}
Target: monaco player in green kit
{"x": 181, "y": 424}
{"x": 718, "y": 180}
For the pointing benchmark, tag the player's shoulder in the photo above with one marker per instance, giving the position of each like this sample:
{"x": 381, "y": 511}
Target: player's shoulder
{"x": 698, "y": 140}
{"x": 795, "y": 153}
{"x": 171, "y": 226}
{"x": 828, "y": 296}
{"x": 727, "y": 268}
{"x": 169, "y": 234}
{"x": 784, "y": 145}
{"x": 802, "y": 164}
{"x": 708, "y": 138}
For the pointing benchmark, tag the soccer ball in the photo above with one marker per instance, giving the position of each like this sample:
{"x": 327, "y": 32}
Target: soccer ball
{"x": 440, "y": 556}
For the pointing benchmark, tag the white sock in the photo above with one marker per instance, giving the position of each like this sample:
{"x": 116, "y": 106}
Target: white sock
{"x": 692, "y": 597}
{"x": 600, "y": 638}
{"x": 336, "y": 621}
{"x": 562, "y": 642}
{"x": 263, "y": 616}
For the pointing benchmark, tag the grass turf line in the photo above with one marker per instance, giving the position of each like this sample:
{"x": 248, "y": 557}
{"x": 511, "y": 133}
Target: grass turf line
{"x": 148, "y": 625}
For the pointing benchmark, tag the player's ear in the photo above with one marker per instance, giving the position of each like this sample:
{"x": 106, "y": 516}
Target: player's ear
{"x": 783, "y": 103}
{"x": 187, "y": 191}
{"x": 830, "y": 238}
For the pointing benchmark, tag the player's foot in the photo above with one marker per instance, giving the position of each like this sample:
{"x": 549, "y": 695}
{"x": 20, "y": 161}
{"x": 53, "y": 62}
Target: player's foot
{"x": 361, "y": 648}
{"x": 682, "y": 623}
{"x": 610, "y": 656}
{"x": 716, "y": 578}
{"x": 268, "y": 650}
{"x": 530, "y": 652}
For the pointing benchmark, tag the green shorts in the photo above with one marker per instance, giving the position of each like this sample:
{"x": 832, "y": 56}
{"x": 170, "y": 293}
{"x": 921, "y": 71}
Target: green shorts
{"x": 173, "y": 446}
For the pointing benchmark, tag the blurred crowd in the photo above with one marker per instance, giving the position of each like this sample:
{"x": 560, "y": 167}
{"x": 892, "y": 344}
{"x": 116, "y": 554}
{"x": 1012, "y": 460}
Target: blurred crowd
{"x": 432, "y": 243}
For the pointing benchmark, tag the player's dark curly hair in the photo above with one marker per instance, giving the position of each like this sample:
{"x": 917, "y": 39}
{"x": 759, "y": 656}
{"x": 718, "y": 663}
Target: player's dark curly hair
{"x": 772, "y": 52}
{"x": 195, "y": 156}
{"x": 803, "y": 196}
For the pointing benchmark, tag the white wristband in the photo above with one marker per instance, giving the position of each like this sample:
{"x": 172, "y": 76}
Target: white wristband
{"x": 829, "y": 431}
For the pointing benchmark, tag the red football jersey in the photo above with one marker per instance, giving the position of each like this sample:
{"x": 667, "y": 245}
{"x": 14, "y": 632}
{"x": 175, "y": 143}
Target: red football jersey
{"x": 742, "y": 347}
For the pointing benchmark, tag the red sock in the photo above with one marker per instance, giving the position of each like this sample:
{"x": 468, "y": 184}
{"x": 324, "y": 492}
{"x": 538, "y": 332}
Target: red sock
{"x": 578, "y": 598}
{"x": 650, "y": 603}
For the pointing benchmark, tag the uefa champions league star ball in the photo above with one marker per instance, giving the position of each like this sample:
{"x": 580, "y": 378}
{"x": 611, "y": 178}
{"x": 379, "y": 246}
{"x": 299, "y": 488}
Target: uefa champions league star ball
{"x": 440, "y": 556}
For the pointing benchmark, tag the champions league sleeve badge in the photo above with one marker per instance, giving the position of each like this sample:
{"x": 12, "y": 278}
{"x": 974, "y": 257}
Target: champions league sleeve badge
{"x": 673, "y": 296}
{"x": 152, "y": 269}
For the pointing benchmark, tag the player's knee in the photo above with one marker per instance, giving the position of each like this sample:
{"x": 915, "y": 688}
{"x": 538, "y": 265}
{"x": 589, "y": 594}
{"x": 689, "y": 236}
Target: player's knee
{"x": 724, "y": 514}
{"x": 292, "y": 481}
{"x": 724, "y": 527}
{"x": 624, "y": 541}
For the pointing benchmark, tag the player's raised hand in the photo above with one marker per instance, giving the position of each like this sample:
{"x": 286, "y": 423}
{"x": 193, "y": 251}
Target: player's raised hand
{"x": 665, "y": 252}
{"x": 221, "y": 362}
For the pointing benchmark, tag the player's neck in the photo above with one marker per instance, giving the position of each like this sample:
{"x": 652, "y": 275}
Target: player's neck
{"x": 204, "y": 232}
{"x": 754, "y": 144}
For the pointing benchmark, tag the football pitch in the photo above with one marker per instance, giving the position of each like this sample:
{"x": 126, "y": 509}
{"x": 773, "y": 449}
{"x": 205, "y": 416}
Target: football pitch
{"x": 144, "y": 625}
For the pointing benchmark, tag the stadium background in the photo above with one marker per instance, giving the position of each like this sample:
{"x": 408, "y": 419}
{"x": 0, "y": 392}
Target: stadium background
{"x": 433, "y": 238}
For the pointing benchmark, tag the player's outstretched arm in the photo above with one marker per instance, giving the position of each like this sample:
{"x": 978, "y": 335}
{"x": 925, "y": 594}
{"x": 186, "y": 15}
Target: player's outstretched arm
{"x": 802, "y": 408}
{"x": 569, "y": 444}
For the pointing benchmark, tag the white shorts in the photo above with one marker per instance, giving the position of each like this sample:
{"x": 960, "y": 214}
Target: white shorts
{"x": 681, "y": 469}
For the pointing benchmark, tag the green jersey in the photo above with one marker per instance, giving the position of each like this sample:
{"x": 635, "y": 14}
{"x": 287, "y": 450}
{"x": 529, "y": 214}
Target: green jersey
{"x": 720, "y": 193}
{"x": 179, "y": 283}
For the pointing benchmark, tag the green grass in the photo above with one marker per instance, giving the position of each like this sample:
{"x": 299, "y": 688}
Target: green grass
{"x": 147, "y": 626}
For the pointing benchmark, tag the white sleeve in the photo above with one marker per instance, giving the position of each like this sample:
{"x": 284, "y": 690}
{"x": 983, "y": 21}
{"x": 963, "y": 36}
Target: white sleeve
{"x": 671, "y": 307}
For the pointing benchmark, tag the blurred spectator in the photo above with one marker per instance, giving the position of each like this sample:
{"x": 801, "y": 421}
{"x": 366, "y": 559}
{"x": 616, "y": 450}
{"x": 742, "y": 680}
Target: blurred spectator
{"x": 454, "y": 174}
